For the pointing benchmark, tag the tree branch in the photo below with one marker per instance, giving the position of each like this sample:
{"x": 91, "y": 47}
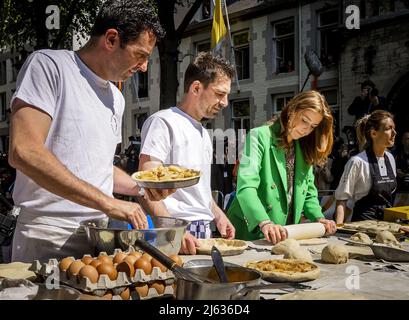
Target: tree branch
{"x": 188, "y": 17}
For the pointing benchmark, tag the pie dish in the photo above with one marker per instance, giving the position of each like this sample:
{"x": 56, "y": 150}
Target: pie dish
{"x": 169, "y": 177}
{"x": 285, "y": 270}
{"x": 225, "y": 246}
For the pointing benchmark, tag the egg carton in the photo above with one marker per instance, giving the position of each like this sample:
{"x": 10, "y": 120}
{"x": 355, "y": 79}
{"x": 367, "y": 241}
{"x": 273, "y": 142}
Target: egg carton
{"x": 104, "y": 282}
{"x": 152, "y": 294}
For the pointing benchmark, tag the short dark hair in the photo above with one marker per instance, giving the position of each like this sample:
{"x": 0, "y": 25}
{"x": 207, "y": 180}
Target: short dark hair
{"x": 368, "y": 83}
{"x": 205, "y": 68}
{"x": 129, "y": 17}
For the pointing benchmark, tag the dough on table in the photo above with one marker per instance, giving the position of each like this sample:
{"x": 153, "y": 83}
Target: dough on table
{"x": 386, "y": 237}
{"x": 361, "y": 237}
{"x": 335, "y": 254}
{"x": 284, "y": 246}
{"x": 299, "y": 254}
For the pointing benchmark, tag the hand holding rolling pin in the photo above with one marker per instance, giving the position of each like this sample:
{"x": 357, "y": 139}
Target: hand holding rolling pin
{"x": 330, "y": 226}
{"x": 273, "y": 233}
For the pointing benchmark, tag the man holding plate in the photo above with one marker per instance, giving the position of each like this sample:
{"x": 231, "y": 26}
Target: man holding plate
{"x": 176, "y": 136}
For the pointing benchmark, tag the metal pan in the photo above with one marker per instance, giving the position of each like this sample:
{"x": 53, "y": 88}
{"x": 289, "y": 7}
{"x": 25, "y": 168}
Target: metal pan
{"x": 384, "y": 252}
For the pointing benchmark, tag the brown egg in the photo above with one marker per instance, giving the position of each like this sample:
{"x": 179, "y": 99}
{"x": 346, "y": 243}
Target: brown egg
{"x": 65, "y": 263}
{"x": 156, "y": 263}
{"x": 177, "y": 259}
{"x": 142, "y": 290}
{"x": 119, "y": 257}
{"x": 126, "y": 267}
{"x": 87, "y": 259}
{"x": 126, "y": 294}
{"x": 147, "y": 256}
{"x": 107, "y": 296}
{"x": 95, "y": 263}
{"x": 158, "y": 286}
{"x": 144, "y": 265}
{"x": 136, "y": 254}
{"x": 131, "y": 259}
{"x": 74, "y": 268}
{"x": 105, "y": 259}
{"x": 89, "y": 272}
{"x": 108, "y": 269}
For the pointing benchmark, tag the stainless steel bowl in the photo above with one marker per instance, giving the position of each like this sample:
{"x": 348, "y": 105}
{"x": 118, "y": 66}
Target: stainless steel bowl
{"x": 167, "y": 236}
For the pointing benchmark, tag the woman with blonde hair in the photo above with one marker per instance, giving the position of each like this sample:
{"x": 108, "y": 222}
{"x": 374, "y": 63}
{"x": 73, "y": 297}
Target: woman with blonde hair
{"x": 369, "y": 178}
{"x": 275, "y": 182}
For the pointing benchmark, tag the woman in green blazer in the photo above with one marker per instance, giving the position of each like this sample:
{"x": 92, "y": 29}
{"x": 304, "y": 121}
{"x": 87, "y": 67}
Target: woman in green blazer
{"x": 275, "y": 182}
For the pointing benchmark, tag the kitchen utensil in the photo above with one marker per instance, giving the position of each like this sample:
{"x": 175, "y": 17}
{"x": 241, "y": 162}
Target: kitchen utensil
{"x": 239, "y": 278}
{"x": 382, "y": 251}
{"x": 218, "y": 264}
{"x": 169, "y": 263}
{"x": 166, "y": 235}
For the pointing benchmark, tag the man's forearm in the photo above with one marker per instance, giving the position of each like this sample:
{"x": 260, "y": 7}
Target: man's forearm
{"x": 154, "y": 208}
{"x": 123, "y": 183}
{"x": 48, "y": 172}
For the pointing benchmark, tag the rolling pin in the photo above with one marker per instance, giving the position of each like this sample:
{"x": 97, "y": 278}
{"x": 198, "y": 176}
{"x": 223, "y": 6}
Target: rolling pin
{"x": 305, "y": 230}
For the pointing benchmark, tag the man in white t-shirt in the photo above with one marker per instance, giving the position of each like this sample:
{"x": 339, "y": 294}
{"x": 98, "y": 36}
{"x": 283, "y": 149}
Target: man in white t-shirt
{"x": 65, "y": 126}
{"x": 176, "y": 136}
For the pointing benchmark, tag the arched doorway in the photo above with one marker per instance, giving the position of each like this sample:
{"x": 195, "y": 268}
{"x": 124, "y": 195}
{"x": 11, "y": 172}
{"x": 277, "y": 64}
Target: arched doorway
{"x": 399, "y": 104}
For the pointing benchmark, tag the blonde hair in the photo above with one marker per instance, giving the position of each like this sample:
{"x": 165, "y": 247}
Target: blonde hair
{"x": 317, "y": 145}
{"x": 372, "y": 121}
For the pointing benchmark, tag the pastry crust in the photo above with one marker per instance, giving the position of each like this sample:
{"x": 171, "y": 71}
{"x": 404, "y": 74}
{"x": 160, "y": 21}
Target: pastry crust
{"x": 225, "y": 246}
{"x": 286, "y": 270}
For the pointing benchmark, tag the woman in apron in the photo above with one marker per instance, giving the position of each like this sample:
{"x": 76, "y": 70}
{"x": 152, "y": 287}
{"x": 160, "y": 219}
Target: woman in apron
{"x": 369, "y": 178}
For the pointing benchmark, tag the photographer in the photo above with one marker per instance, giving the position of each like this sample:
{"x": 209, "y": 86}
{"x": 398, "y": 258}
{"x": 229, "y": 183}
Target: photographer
{"x": 367, "y": 102}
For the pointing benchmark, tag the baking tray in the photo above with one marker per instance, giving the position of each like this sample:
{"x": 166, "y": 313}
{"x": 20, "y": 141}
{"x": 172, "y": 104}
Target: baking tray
{"x": 172, "y": 184}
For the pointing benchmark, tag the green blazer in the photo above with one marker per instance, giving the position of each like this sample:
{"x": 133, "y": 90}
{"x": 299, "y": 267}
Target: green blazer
{"x": 262, "y": 185}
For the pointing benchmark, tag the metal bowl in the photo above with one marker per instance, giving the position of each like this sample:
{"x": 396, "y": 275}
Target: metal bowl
{"x": 166, "y": 235}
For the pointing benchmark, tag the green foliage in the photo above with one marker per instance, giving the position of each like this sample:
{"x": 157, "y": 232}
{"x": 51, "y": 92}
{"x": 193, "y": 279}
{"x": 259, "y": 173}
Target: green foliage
{"x": 22, "y": 22}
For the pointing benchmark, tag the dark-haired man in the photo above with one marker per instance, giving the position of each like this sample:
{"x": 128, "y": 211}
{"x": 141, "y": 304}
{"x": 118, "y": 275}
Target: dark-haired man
{"x": 367, "y": 102}
{"x": 176, "y": 136}
{"x": 65, "y": 126}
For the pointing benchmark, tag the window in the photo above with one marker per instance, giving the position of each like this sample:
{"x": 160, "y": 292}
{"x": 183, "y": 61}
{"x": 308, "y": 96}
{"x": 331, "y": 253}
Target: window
{"x": 202, "y": 46}
{"x": 3, "y": 72}
{"x": 242, "y": 55}
{"x": 3, "y": 106}
{"x": 138, "y": 121}
{"x": 139, "y": 85}
{"x": 206, "y": 9}
{"x": 241, "y": 114}
{"x": 284, "y": 46}
{"x": 280, "y": 101}
{"x": 331, "y": 95}
{"x": 328, "y": 36}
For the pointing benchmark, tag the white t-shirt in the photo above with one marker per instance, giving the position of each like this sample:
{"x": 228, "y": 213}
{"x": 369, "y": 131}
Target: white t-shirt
{"x": 356, "y": 181}
{"x": 174, "y": 137}
{"x": 86, "y": 114}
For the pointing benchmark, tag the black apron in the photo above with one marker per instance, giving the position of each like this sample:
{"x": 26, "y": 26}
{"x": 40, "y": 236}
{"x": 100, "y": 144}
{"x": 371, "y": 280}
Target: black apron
{"x": 379, "y": 197}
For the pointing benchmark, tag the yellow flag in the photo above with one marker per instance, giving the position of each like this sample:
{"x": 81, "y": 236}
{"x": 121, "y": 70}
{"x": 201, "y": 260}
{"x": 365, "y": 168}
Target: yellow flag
{"x": 218, "y": 28}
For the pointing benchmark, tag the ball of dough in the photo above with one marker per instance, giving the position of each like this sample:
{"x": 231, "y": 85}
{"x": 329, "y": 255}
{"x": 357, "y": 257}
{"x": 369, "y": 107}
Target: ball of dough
{"x": 361, "y": 237}
{"x": 334, "y": 253}
{"x": 299, "y": 254}
{"x": 284, "y": 246}
{"x": 388, "y": 238}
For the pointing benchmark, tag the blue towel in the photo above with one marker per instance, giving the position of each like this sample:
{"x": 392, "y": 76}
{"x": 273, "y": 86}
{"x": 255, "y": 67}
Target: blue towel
{"x": 150, "y": 223}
